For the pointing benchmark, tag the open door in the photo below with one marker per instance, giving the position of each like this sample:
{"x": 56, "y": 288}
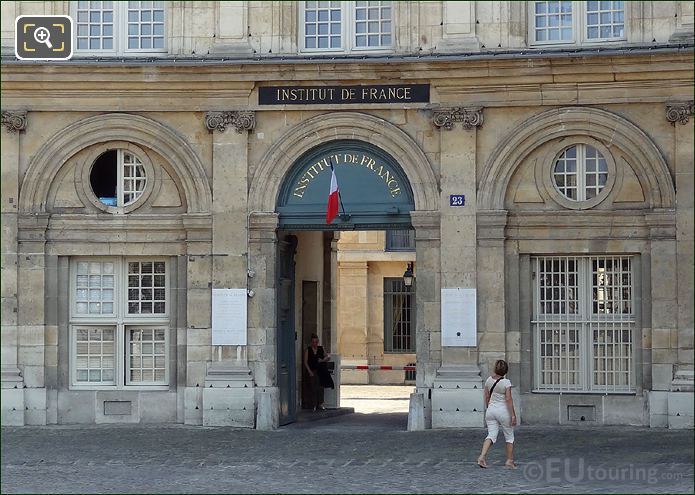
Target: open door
{"x": 286, "y": 365}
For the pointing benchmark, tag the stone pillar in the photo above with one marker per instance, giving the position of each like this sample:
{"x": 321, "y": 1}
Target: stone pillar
{"x": 262, "y": 313}
{"x": 428, "y": 350}
{"x": 228, "y": 397}
{"x": 353, "y": 318}
{"x": 12, "y": 399}
{"x": 664, "y": 311}
{"x": 680, "y": 397}
{"x": 495, "y": 340}
{"x": 31, "y": 271}
{"x": 194, "y": 338}
{"x": 457, "y": 396}
{"x": 458, "y": 27}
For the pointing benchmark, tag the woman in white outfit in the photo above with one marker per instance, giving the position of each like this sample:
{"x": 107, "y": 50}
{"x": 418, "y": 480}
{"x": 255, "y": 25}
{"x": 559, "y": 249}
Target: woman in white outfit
{"x": 500, "y": 413}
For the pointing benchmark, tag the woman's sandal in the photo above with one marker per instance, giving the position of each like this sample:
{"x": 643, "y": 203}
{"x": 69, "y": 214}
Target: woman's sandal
{"x": 510, "y": 465}
{"x": 482, "y": 462}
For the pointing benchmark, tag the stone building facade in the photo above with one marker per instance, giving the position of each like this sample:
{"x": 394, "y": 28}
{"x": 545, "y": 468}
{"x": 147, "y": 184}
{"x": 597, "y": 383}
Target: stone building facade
{"x": 148, "y": 171}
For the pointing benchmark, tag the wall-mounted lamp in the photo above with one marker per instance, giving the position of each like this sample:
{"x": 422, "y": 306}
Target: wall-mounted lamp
{"x": 408, "y": 276}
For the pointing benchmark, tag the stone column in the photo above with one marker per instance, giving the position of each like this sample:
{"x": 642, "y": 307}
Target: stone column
{"x": 457, "y": 398}
{"x": 12, "y": 400}
{"x": 458, "y": 27}
{"x": 228, "y": 397}
{"x": 680, "y": 398}
{"x": 262, "y": 358}
{"x": 428, "y": 339}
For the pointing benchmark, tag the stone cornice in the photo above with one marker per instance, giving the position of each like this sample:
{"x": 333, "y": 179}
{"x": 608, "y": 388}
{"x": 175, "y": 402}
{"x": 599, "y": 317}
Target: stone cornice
{"x": 262, "y": 223}
{"x": 469, "y": 117}
{"x": 240, "y": 120}
{"x": 14, "y": 121}
{"x": 679, "y": 111}
{"x": 491, "y": 224}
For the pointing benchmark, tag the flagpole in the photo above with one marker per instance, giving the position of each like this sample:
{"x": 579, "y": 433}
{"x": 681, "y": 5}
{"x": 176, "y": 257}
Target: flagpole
{"x": 340, "y": 196}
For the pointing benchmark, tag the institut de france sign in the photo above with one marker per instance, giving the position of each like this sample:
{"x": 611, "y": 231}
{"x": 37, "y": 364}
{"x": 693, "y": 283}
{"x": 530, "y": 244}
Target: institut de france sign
{"x": 340, "y": 95}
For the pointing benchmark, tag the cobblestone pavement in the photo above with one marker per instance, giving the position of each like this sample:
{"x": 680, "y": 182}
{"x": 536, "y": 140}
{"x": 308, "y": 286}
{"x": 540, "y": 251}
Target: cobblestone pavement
{"x": 355, "y": 453}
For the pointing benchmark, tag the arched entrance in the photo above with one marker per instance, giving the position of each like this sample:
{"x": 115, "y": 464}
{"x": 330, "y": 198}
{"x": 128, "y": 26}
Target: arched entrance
{"x": 375, "y": 195}
{"x": 272, "y": 210}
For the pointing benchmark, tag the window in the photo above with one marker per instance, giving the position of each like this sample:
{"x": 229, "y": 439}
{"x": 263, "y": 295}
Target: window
{"x": 583, "y": 323}
{"x": 118, "y": 178}
{"x": 574, "y": 21}
{"x": 119, "y": 322}
{"x": 119, "y": 27}
{"x": 400, "y": 240}
{"x": 580, "y": 172}
{"x": 399, "y": 316}
{"x": 346, "y": 26}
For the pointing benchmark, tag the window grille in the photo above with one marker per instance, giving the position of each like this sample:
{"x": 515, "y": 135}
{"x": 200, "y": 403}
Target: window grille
{"x": 584, "y": 323}
{"x": 119, "y": 323}
{"x": 400, "y": 240}
{"x": 399, "y": 316}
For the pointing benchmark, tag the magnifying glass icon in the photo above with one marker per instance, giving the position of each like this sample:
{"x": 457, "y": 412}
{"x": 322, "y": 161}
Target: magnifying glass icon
{"x": 43, "y": 35}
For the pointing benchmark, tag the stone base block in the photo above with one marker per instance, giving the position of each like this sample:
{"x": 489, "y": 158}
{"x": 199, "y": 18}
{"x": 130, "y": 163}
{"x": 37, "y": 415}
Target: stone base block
{"x": 35, "y": 406}
{"x": 12, "y": 406}
{"x": 457, "y": 398}
{"x": 416, "y": 412}
{"x": 268, "y": 409}
{"x": 680, "y": 410}
{"x": 658, "y": 409}
{"x": 193, "y": 406}
{"x": 229, "y": 407}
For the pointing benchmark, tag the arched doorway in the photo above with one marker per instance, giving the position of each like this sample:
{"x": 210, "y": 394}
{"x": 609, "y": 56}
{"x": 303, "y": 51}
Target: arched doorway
{"x": 375, "y": 195}
{"x": 264, "y": 199}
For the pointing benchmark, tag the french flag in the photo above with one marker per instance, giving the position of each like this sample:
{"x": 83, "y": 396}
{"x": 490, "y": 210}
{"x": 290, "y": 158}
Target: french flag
{"x": 332, "y": 207}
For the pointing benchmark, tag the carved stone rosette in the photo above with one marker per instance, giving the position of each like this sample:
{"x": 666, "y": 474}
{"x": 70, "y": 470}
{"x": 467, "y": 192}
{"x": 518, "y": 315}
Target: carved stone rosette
{"x": 241, "y": 120}
{"x": 679, "y": 111}
{"x": 14, "y": 121}
{"x": 469, "y": 117}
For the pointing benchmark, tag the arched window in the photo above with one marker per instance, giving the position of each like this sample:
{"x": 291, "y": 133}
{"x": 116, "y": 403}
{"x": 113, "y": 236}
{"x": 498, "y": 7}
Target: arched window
{"x": 580, "y": 172}
{"x": 118, "y": 178}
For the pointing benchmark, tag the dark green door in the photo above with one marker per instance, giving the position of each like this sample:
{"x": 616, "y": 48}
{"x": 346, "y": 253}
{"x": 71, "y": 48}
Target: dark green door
{"x": 286, "y": 363}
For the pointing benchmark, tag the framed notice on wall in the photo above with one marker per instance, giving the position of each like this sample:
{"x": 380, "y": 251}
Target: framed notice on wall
{"x": 458, "y": 317}
{"x": 229, "y": 316}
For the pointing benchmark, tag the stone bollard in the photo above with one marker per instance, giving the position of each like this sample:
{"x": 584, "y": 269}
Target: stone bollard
{"x": 264, "y": 413}
{"x": 416, "y": 412}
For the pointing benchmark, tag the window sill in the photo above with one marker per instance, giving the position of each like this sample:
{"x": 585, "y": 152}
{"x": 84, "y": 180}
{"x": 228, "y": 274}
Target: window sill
{"x": 114, "y": 388}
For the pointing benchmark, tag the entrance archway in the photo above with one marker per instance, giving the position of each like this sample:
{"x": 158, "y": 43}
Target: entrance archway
{"x": 375, "y": 195}
{"x": 272, "y": 211}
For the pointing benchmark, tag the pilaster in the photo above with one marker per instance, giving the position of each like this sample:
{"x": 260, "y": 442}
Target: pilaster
{"x": 456, "y": 397}
{"x": 681, "y": 393}
{"x": 12, "y": 382}
{"x": 224, "y": 403}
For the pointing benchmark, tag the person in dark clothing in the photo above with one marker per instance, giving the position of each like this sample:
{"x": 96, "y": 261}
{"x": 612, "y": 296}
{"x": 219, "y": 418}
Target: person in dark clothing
{"x": 315, "y": 359}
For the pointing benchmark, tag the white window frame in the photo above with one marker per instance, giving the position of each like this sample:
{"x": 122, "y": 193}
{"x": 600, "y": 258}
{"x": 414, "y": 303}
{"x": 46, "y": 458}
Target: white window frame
{"x": 579, "y": 27}
{"x": 348, "y": 21}
{"x": 120, "y": 34}
{"x": 586, "y": 321}
{"x": 120, "y": 321}
{"x": 580, "y": 172}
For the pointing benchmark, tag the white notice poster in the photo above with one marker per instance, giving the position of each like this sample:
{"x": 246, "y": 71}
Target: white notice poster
{"x": 458, "y": 318}
{"x": 229, "y": 316}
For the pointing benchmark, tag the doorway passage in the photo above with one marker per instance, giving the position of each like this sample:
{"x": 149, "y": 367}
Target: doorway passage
{"x": 348, "y": 288}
